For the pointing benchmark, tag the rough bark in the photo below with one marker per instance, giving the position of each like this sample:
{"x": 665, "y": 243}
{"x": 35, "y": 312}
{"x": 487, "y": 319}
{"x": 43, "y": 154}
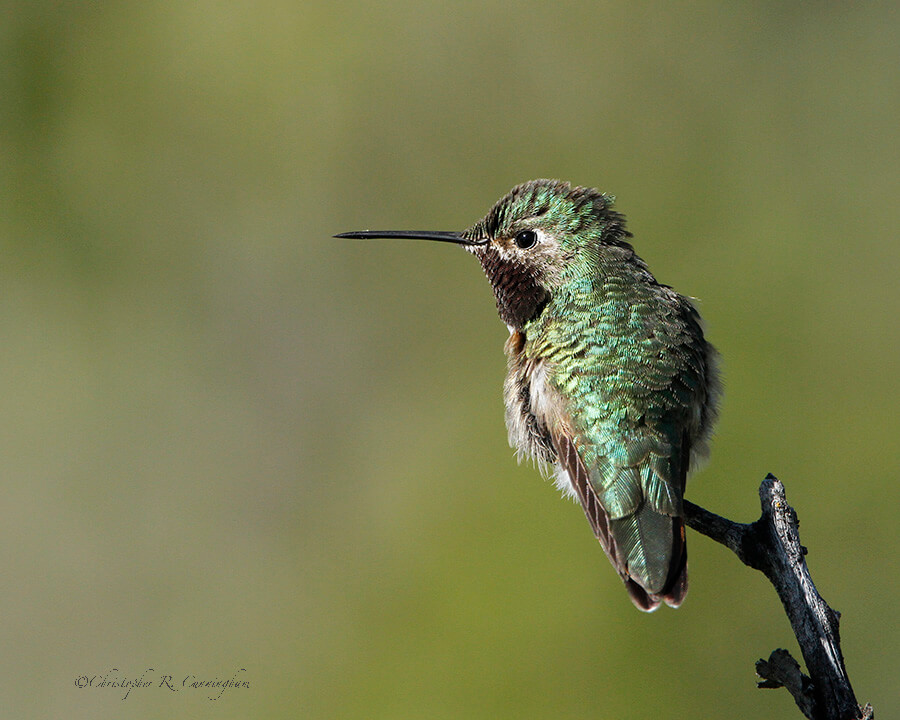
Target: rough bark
{"x": 772, "y": 546}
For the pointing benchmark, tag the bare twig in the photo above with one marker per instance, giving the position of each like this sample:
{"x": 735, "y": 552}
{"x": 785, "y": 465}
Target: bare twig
{"x": 772, "y": 546}
{"x": 781, "y": 670}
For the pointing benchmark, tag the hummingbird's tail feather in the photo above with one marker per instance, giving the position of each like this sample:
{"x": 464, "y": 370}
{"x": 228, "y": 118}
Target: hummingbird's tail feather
{"x": 641, "y": 598}
{"x": 677, "y": 585}
{"x": 676, "y": 588}
{"x": 646, "y": 548}
{"x": 654, "y": 557}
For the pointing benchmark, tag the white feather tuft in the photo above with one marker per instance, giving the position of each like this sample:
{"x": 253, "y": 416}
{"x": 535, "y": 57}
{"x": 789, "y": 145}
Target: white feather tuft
{"x": 564, "y": 483}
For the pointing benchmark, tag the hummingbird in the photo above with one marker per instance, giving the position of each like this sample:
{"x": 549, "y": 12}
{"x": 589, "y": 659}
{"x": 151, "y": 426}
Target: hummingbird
{"x": 611, "y": 384}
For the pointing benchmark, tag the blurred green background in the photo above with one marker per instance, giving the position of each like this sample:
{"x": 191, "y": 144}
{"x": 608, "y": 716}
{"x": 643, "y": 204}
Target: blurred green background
{"x": 230, "y": 441}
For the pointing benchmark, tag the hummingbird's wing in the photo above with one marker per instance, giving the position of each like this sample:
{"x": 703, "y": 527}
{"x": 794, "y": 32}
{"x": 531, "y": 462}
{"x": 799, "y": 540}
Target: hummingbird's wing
{"x": 633, "y": 515}
{"x": 578, "y": 476}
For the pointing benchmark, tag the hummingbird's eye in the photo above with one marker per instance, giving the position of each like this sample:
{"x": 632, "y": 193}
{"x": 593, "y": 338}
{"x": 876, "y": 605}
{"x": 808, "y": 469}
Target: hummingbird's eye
{"x": 526, "y": 239}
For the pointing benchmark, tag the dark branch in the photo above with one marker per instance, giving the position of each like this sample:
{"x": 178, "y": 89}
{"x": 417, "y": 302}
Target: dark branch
{"x": 781, "y": 670}
{"x": 772, "y": 546}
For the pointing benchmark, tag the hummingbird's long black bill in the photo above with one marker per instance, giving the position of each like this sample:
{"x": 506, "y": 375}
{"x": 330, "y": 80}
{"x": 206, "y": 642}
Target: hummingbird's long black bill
{"x": 451, "y": 237}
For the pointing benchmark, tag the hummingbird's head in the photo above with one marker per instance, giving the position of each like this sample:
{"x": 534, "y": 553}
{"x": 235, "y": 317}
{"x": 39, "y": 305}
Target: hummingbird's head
{"x": 540, "y": 235}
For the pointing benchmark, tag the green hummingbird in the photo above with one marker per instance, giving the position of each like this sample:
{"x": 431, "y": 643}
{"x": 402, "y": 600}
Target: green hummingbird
{"x": 610, "y": 379}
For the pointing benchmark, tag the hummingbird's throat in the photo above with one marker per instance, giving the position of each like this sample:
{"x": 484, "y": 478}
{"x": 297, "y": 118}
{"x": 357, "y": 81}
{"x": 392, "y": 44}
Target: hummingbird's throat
{"x": 520, "y": 297}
